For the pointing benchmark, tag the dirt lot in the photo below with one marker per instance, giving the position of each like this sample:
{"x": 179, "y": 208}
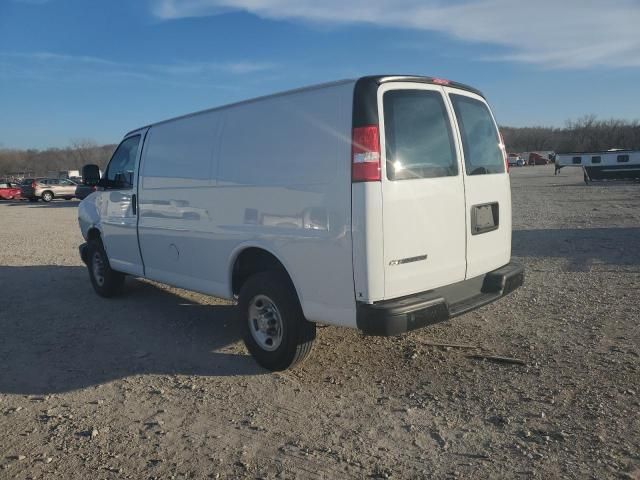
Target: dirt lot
{"x": 156, "y": 384}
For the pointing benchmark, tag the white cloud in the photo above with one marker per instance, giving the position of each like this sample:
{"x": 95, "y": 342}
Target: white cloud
{"x": 552, "y": 33}
{"x": 47, "y": 65}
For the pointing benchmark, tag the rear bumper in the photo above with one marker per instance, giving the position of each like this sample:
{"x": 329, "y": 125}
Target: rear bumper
{"x": 393, "y": 317}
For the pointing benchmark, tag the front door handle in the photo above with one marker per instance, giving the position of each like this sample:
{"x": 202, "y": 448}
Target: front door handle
{"x": 134, "y": 199}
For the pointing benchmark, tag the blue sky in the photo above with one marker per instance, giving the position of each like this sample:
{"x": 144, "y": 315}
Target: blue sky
{"x": 72, "y": 69}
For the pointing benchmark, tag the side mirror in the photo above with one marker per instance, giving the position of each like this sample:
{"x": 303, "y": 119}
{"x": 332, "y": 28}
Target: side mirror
{"x": 90, "y": 175}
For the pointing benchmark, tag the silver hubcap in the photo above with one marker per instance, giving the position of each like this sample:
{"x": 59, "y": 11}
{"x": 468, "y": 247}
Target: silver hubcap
{"x": 97, "y": 265}
{"x": 47, "y": 196}
{"x": 265, "y": 323}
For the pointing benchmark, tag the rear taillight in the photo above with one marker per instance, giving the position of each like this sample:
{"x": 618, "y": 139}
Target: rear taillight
{"x": 33, "y": 184}
{"x": 94, "y": 188}
{"x": 365, "y": 154}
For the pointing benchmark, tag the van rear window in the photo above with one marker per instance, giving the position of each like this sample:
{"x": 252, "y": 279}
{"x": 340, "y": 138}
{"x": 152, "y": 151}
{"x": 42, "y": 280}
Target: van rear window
{"x": 418, "y": 136}
{"x": 480, "y": 139}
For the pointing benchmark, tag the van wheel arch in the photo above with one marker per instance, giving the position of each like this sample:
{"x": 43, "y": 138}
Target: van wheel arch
{"x": 254, "y": 260}
{"x": 93, "y": 234}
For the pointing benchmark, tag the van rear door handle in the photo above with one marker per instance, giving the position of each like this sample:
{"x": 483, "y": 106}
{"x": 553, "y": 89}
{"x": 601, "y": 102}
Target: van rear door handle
{"x": 134, "y": 199}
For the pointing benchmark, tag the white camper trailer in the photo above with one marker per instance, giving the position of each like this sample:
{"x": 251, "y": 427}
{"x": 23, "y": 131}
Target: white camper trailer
{"x": 604, "y": 165}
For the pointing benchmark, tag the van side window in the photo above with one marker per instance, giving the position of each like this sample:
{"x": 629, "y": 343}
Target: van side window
{"x": 577, "y": 160}
{"x": 623, "y": 158}
{"x": 119, "y": 173}
{"x": 480, "y": 138}
{"x": 419, "y": 140}
{"x": 596, "y": 159}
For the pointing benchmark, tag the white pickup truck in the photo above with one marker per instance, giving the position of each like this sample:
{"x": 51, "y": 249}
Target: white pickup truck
{"x": 381, "y": 203}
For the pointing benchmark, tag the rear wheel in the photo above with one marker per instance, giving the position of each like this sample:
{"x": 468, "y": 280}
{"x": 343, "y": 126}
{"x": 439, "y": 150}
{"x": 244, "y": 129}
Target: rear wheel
{"x": 274, "y": 328}
{"x": 47, "y": 196}
{"x": 106, "y": 282}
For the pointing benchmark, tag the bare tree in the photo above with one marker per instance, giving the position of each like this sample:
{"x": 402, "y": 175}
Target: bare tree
{"x": 581, "y": 135}
{"x": 42, "y": 162}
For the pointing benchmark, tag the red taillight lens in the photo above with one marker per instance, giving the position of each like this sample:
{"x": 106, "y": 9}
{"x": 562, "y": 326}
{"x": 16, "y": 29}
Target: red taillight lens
{"x": 94, "y": 188}
{"x": 440, "y": 81}
{"x": 365, "y": 154}
{"x": 33, "y": 184}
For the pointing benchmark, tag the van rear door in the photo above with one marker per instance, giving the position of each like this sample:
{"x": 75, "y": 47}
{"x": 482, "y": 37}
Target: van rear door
{"x": 487, "y": 186}
{"x": 423, "y": 193}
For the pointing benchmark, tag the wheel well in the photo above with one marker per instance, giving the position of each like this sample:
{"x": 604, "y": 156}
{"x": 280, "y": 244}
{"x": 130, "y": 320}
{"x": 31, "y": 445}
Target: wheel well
{"x": 48, "y": 191}
{"x": 93, "y": 234}
{"x": 251, "y": 261}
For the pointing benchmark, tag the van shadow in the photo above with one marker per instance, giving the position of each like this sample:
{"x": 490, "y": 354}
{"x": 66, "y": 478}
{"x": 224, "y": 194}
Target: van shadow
{"x": 580, "y": 246}
{"x": 52, "y": 204}
{"x": 58, "y": 335}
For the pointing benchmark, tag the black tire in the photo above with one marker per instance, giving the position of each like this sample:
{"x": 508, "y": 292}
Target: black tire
{"x": 106, "y": 282}
{"x": 47, "y": 196}
{"x": 297, "y": 334}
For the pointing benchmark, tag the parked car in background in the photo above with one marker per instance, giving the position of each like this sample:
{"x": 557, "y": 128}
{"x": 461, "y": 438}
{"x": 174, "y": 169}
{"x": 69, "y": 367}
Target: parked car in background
{"x": 9, "y": 191}
{"x": 83, "y": 190}
{"x": 515, "y": 160}
{"x": 48, "y": 188}
{"x": 537, "y": 159}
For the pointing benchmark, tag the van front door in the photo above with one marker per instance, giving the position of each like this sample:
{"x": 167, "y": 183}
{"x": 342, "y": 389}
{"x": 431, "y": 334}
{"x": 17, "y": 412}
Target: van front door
{"x": 487, "y": 186}
{"x": 422, "y": 190}
{"x": 117, "y": 204}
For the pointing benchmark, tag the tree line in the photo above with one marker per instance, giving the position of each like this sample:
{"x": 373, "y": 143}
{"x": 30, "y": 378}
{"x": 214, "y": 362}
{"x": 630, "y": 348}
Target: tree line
{"x": 585, "y": 134}
{"x": 15, "y": 163}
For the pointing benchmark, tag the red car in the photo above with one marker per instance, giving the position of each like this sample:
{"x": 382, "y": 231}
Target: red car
{"x": 537, "y": 159}
{"x": 9, "y": 191}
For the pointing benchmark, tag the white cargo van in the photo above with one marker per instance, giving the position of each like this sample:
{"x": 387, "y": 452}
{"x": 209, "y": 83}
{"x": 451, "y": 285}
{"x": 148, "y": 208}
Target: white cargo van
{"x": 381, "y": 203}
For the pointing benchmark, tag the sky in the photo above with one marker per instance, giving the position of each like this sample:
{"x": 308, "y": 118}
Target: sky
{"x": 96, "y": 69}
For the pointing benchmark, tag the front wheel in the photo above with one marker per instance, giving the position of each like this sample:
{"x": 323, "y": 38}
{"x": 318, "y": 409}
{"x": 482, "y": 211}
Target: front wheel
{"x": 274, "y": 328}
{"x": 106, "y": 282}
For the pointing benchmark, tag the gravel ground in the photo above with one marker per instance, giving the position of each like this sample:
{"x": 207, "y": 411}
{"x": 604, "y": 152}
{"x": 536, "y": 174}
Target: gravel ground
{"x": 156, "y": 384}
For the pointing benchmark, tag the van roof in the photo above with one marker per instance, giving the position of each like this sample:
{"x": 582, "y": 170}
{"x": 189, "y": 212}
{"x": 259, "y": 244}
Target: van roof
{"x": 363, "y": 84}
